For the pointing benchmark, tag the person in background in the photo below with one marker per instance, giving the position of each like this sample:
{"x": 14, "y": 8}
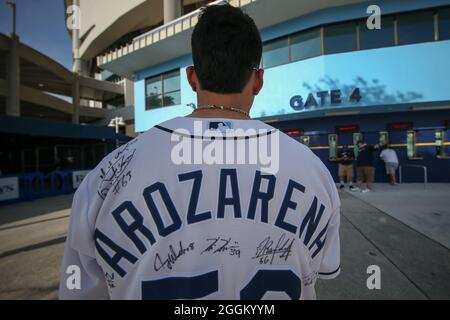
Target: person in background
{"x": 365, "y": 165}
{"x": 389, "y": 156}
{"x": 345, "y": 170}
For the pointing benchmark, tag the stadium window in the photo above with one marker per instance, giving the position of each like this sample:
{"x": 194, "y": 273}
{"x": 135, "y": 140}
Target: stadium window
{"x": 444, "y": 23}
{"x": 305, "y": 45}
{"x": 275, "y": 53}
{"x": 340, "y": 37}
{"x": 377, "y": 38}
{"x": 163, "y": 90}
{"x": 415, "y": 27}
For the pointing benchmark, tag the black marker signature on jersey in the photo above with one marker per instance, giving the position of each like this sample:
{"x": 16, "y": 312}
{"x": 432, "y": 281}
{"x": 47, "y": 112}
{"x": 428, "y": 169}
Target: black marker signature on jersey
{"x": 116, "y": 176}
{"x": 221, "y": 245}
{"x": 267, "y": 250}
{"x": 172, "y": 257}
{"x": 110, "y": 280}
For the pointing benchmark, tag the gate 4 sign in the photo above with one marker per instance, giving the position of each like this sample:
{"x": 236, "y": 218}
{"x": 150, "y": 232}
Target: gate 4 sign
{"x": 323, "y": 99}
{"x": 9, "y": 188}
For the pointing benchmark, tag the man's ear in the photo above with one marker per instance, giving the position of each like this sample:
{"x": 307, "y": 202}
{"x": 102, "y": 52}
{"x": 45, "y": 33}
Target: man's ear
{"x": 192, "y": 78}
{"x": 258, "y": 81}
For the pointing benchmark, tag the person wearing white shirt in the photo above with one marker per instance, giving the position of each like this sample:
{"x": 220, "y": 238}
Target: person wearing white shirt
{"x": 390, "y": 159}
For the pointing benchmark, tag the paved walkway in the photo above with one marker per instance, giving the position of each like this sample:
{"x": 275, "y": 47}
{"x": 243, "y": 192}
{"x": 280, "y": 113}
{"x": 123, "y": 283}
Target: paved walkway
{"x": 425, "y": 209}
{"x": 413, "y": 264}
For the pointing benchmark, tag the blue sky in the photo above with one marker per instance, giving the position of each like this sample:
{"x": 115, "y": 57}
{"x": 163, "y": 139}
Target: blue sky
{"x": 41, "y": 25}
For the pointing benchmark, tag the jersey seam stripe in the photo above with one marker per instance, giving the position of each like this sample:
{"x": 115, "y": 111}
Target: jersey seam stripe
{"x": 215, "y": 138}
{"x": 330, "y": 273}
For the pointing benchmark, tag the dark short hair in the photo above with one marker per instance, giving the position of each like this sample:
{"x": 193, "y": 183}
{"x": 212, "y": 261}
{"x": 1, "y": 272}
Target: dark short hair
{"x": 226, "y": 47}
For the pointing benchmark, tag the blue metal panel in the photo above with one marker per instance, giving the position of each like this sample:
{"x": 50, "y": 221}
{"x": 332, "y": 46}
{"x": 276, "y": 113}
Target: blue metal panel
{"x": 345, "y": 13}
{"x": 393, "y": 76}
{"x": 425, "y": 123}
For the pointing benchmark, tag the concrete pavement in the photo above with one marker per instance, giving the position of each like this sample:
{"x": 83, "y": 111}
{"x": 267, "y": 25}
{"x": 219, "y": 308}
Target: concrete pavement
{"x": 414, "y": 265}
{"x": 423, "y": 208}
{"x": 32, "y": 238}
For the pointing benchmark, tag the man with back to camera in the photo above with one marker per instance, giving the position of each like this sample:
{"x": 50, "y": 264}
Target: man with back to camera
{"x": 389, "y": 156}
{"x": 173, "y": 224}
{"x": 365, "y": 165}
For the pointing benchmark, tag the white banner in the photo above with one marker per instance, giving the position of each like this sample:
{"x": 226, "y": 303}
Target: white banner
{"x": 9, "y": 188}
{"x": 77, "y": 177}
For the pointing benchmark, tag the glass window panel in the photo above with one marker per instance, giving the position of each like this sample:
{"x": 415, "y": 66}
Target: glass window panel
{"x": 340, "y": 37}
{"x": 415, "y": 27}
{"x": 153, "y": 101}
{"x": 384, "y": 37}
{"x": 444, "y": 23}
{"x": 275, "y": 53}
{"x": 305, "y": 45}
{"x": 172, "y": 99}
{"x": 153, "y": 86}
{"x": 172, "y": 81}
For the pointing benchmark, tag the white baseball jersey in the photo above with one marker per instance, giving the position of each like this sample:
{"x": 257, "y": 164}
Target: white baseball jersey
{"x": 176, "y": 214}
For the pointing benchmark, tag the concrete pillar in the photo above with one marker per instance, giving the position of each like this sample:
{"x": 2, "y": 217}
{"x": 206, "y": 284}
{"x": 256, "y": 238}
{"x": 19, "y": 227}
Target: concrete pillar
{"x": 76, "y": 42}
{"x": 76, "y": 99}
{"x": 129, "y": 92}
{"x": 172, "y": 10}
{"x": 13, "y": 78}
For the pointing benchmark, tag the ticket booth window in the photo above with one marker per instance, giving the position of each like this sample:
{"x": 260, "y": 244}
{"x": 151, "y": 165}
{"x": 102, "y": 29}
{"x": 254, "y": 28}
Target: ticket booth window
{"x": 357, "y": 136}
{"x": 411, "y": 143}
{"x": 304, "y": 140}
{"x": 384, "y": 138}
{"x": 333, "y": 144}
{"x": 440, "y": 145}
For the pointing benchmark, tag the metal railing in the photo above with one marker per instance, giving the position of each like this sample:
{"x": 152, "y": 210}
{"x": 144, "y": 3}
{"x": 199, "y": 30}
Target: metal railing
{"x": 425, "y": 172}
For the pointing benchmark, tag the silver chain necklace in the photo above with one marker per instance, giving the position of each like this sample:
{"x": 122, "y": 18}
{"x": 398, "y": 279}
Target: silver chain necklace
{"x": 212, "y": 106}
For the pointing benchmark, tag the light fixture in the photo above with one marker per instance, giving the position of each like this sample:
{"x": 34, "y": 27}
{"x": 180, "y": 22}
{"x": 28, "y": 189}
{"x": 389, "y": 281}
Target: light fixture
{"x": 422, "y": 108}
{"x": 272, "y": 120}
{"x": 341, "y": 113}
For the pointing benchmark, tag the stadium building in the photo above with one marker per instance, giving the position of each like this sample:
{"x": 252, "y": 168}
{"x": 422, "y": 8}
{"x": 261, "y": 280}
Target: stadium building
{"x": 330, "y": 80}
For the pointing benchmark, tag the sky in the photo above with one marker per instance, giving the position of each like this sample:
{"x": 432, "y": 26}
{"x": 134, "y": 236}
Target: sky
{"x": 41, "y": 25}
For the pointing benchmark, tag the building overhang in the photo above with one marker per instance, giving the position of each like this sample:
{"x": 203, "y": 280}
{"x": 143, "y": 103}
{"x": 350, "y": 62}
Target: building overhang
{"x": 172, "y": 40}
{"x": 46, "y": 128}
{"x": 41, "y": 78}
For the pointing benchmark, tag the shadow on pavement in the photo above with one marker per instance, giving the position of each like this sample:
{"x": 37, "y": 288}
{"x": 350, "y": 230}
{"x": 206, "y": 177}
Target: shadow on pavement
{"x": 30, "y": 209}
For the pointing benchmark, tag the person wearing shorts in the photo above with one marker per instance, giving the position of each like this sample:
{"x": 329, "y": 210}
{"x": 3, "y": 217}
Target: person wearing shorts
{"x": 365, "y": 165}
{"x": 390, "y": 159}
{"x": 345, "y": 168}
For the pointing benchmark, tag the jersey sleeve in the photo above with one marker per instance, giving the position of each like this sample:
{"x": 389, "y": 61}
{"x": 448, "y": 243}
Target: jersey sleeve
{"x": 79, "y": 253}
{"x": 331, "y": 259}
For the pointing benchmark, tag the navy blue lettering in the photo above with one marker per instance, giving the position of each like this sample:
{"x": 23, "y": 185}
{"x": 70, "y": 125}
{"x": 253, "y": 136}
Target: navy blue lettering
{"x": 319, "y": 242}
{"x": 192, "y": 217}
{"x": 169, "y": 206}
{"x": 288, "y": 204}
{"x": 120, "y": 253}
{"x": 234, "y": 200}
{"x": 311, "y": 101}
{"x": 311, "y": 221}
{"x": 272, "y": 280}
{"x": 265, "y": 197}
{"x": 336, "y": 97}
{"x": 323, "y": 96}
{"x": 181, "y": 287}
{"x": 136, "y": 225}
